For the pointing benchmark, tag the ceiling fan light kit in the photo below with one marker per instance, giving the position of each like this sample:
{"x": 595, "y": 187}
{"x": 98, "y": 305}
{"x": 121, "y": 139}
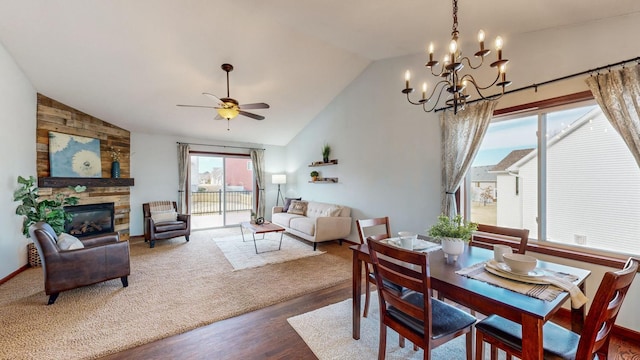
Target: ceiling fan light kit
{"x": 227, "y": 107}
{"x": 452, "y": 80}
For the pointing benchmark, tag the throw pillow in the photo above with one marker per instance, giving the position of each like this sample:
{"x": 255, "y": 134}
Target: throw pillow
{"x": 69, "y": 242}
{"x": 287, "y": 203}
{"x": 298, "y": 207}
{"x": 334, "y": 211}
{"x": 162, "y": 216}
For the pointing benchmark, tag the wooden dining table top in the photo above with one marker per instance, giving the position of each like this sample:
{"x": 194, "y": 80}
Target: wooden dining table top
{"x": 483, "y": 297}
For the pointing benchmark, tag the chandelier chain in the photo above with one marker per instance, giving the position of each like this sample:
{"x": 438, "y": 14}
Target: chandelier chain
{"x": 455, "y": 17}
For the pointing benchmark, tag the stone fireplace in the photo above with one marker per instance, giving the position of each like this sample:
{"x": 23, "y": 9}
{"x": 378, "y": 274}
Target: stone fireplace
{"x": 91, "y": 219}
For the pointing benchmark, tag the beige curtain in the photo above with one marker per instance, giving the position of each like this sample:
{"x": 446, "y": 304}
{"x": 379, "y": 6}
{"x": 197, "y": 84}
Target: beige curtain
{"x": 257, "y": 157}
{"x": 618, "y": 94}
{"x": 462, "y": 135}
{"x": 183, "y": 172}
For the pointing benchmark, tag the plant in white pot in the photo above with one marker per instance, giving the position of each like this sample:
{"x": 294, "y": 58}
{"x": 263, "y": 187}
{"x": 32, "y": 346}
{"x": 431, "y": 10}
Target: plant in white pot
{"x": 453, "y": 234}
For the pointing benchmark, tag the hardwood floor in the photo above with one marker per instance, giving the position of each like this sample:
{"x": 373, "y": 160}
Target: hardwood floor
{"x": 266, "y": 334}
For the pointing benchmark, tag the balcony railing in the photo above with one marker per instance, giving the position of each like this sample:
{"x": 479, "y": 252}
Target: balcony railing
{"x": 210, "y": 202}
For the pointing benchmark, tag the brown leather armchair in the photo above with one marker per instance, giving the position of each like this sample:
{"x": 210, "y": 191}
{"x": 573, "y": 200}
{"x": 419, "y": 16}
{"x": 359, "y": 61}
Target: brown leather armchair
{"x": 104, "y": 257}
{"x": 167, "y": 229}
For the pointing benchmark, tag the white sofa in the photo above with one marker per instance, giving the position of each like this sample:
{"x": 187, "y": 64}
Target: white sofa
{"x": 317, "y": 224}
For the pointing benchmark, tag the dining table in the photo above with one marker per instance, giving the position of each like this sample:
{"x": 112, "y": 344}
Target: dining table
{"x": 483, "y": 297}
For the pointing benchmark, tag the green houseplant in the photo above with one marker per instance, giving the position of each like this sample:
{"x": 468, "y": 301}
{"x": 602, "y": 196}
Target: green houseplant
{"x": 314, "y": 175}
{"x": 453, "y": 233}
{"x": 50, "y": 211}
{"x": 326, "y": 150}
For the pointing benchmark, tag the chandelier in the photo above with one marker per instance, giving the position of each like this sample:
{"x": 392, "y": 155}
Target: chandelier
{"x": 453, "y": 81}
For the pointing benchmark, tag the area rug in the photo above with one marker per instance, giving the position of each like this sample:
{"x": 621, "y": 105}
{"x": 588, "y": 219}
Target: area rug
{"x": 174, "y": 287}
{"x": 242, "y": 254}
{"x": 328, "y": 333}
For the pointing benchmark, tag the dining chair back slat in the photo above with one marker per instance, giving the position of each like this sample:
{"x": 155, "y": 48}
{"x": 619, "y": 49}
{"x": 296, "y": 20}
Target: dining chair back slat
{"x": 378, "y": 229}
{"x": 414, "y": 314}
{"x": 489, "y": 235}
{"x": 560, "y": 343}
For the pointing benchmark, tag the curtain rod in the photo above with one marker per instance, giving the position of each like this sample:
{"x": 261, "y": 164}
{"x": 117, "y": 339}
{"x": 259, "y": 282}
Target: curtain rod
{"x": 535, "y": 86}
{"x": 223, "y": 146}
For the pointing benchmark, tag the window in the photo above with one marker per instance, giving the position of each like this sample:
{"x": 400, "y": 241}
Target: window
{"x": 578, "y": 185}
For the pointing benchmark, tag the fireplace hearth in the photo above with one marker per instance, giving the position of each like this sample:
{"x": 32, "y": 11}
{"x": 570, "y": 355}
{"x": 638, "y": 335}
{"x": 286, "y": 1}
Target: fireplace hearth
{"x": 92, "y": 219}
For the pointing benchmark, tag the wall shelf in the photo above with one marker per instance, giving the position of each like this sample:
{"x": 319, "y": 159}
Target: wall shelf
{"x": 59, "y": 182}
{"x": 322, "y": 163}
{"x": 331, "y": 180}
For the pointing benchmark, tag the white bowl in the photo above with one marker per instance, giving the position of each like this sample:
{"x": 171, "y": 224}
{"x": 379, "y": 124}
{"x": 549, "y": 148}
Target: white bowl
{"x": 519, "y": 263}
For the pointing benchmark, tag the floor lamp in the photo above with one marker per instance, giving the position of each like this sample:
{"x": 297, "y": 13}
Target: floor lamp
{"x": 279, "y": 179}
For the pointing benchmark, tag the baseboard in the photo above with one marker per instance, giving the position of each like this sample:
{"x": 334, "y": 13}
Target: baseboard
{"x": 23, "y": 268}
{"x": 618, "y": 331}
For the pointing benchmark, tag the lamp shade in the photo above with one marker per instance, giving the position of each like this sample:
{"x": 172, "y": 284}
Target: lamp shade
{"x": 279, "y": 178}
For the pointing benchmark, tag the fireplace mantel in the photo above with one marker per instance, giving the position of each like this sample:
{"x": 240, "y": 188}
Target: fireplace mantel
{"x": 59, "y": 182}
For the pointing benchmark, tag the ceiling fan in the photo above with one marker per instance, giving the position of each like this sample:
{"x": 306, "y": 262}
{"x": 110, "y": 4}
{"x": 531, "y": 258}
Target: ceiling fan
{"x": 227, "y": 107}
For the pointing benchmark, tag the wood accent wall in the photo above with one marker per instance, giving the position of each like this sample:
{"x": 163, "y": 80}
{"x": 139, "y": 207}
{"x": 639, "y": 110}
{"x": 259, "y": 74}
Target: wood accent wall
{"x": 55, "y": 116}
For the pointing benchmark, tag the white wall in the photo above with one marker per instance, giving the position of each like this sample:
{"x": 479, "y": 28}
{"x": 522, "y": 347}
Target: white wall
{"x": 154, "y": 166}
{"x": 18, "y": 149}
{"x": 389, "y": 151}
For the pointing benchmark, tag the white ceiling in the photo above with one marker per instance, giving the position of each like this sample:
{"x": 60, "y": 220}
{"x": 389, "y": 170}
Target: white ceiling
{"x": 130, "y": 62}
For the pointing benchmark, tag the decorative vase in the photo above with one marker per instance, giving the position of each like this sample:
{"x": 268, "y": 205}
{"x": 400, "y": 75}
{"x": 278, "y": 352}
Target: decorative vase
{"x": 33, "y": 256}
{"x": 325, "y": 159}
{"x": 452, "y": 247}
{"x": 115, "y": 169}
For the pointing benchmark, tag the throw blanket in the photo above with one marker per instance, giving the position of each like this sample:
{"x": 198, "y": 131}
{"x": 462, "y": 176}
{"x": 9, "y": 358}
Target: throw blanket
{"x": 160, "y": 205}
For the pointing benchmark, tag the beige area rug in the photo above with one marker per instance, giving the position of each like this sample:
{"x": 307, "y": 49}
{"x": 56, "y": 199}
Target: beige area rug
{"x": 328, "y": 332}
{"x": 174, "y": 287}
{"x": 242, "y": 254}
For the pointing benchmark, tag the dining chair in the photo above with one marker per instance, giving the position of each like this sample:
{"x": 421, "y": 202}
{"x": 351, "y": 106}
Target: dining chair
{"x": 489, "y": 235}
{"x": 414, "y": 315}
{"x": 558, "y": 342}
{"x": 378, "y": 229}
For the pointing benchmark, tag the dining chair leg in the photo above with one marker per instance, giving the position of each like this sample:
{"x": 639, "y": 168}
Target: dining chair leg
{"x": 401, "y": 342}
{"x": 479, "y": 347}
{"x": 382, "y": 347}
{"x": 469, "y": 349}
{"x": 494, "y": 353}
{"x": 366, "y": 297}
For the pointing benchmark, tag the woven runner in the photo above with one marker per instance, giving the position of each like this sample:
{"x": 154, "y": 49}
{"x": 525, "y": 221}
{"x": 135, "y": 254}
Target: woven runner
{"x": 540, "y": 288}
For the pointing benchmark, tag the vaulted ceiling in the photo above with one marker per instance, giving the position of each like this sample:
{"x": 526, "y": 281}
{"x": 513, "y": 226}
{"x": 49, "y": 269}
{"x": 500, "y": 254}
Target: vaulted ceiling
{"x": 130, "y": 62}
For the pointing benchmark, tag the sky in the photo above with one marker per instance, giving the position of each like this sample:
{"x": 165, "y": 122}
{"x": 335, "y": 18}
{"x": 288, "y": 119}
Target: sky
{"x": 502, "y": 137}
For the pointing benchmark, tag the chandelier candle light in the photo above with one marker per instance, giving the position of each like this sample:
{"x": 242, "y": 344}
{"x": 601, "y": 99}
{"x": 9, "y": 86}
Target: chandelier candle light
{"x": 453, "y": 81}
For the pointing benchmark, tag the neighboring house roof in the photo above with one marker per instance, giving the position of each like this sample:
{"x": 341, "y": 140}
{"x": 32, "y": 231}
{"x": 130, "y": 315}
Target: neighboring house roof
{"x": 481, "y": 174}
{"x": 510, "y": 159}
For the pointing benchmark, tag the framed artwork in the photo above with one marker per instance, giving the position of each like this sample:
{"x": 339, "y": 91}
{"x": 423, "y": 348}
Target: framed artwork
{"x": 74, "y": 156}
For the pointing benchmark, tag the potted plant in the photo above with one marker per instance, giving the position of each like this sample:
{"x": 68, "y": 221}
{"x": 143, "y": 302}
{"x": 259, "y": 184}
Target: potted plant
{"x": 314, "y": 175}
{"x": 326, "y": 150}
{"x": 453, "y": 233}
{"x": 34, "y": 210}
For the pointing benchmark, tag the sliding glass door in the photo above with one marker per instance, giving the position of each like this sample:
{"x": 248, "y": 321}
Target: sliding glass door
{"x": 221, "y": 190}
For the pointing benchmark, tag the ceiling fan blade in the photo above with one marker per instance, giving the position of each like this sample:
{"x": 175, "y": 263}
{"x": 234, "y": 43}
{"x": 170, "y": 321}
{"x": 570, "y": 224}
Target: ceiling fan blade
{"x": 198, "y": 106}
{"x": 251, "y": 115}
{"x": 214, "y": 98}
{"x": 254, "y": 106}
{"x": 218, "y": 117}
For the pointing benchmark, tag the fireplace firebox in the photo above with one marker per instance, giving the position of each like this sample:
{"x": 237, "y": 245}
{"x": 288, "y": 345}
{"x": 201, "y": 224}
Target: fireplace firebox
{"x": 92, "y": 219}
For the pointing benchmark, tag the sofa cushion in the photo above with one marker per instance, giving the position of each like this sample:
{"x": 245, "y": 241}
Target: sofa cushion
{"x": 304, "y": 224}
{"x": 170, "y": 225}
{"x": 332, "y": 211}
{"x": 69, "y": 242}
{"x": 287, "y": 203}
{"x": 298, "y": 207}
{"x": 283, "y": 219}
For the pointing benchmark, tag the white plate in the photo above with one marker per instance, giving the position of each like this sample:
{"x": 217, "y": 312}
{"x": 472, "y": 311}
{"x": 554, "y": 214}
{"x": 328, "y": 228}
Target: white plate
{"x": 505, "y": 268}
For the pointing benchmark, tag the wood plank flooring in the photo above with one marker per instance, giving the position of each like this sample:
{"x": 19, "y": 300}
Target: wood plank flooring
{"x": 266, "y": 334}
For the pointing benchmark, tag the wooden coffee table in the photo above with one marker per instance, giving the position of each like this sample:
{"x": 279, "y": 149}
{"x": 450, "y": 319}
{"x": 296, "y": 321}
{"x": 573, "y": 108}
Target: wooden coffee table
{"x": 261, "y": 229}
